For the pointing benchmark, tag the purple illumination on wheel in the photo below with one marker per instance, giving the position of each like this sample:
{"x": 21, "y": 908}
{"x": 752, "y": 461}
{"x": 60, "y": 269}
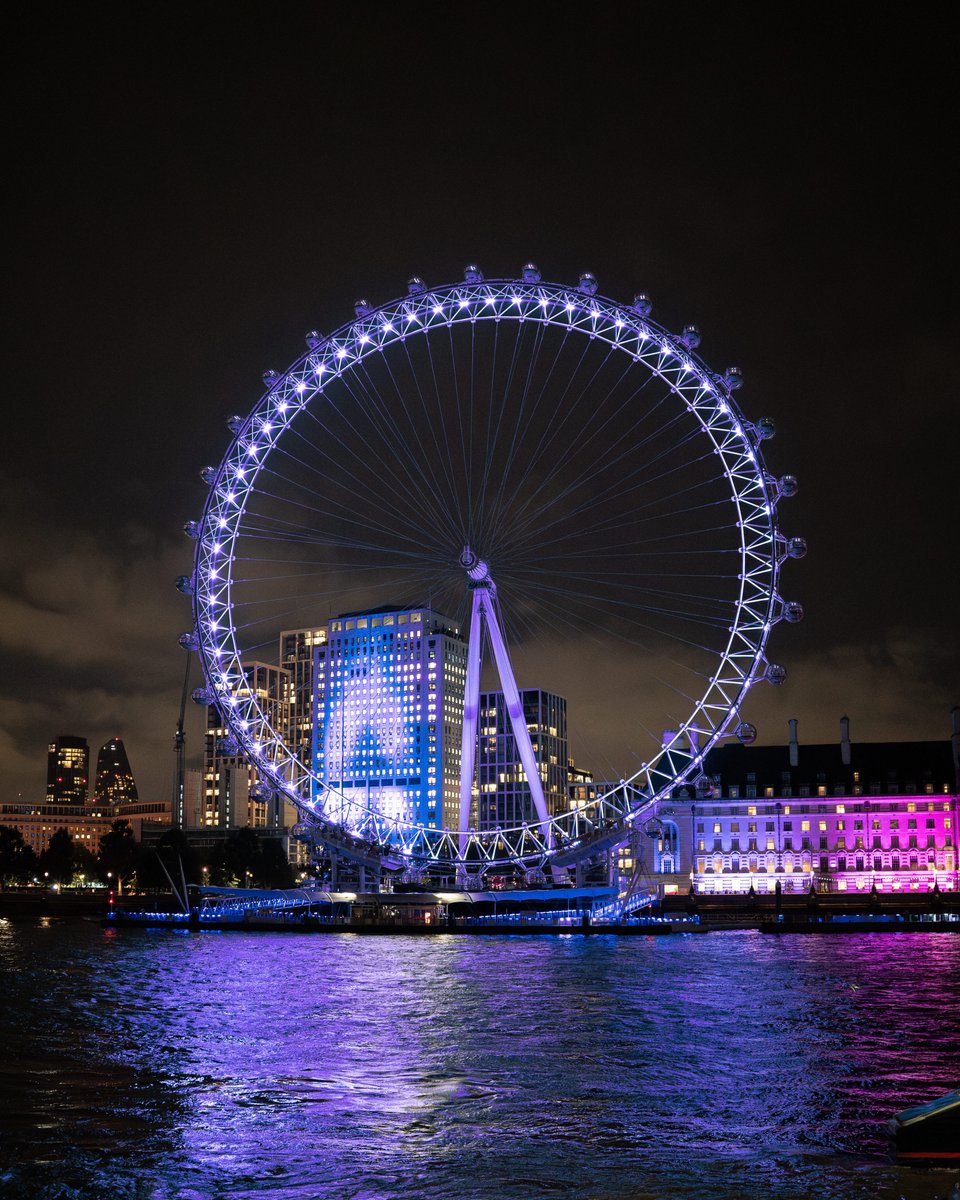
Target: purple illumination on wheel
{"x": 380, "y": 340}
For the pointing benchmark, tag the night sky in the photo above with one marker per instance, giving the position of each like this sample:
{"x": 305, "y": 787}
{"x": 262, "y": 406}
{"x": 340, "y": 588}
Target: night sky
{"x": 194, "y": 187}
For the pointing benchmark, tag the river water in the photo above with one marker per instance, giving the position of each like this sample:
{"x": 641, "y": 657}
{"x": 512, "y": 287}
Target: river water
{"x": 176, "y": 1066}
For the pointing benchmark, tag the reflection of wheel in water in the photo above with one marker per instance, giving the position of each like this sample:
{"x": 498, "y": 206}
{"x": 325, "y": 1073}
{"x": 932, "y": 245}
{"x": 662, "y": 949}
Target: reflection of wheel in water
{"x": 551, "y": 468}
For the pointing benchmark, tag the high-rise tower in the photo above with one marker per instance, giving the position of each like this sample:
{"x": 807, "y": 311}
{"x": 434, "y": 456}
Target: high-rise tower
{"x": 114, "y": 782}
{"x": 389, "y": 688}
{"x": 68, "y": 770}
{"x": 504, "y": 798}
{"x": 231, "y": 795}
{"x": 297, "y": 658}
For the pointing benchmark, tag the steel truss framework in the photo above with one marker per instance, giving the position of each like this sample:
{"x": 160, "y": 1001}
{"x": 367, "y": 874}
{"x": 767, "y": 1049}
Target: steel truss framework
{"x": 369, "y": 835}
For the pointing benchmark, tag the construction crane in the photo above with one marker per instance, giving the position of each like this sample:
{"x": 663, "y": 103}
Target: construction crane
{"x": 179, "y": 746}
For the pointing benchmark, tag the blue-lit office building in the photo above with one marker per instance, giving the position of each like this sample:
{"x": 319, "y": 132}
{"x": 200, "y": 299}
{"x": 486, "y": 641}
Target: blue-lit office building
{"x": 389, "y": 685}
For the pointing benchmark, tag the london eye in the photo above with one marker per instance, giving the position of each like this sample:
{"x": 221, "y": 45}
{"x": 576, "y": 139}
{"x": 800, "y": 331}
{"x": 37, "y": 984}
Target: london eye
{"x": 564, "y": 479}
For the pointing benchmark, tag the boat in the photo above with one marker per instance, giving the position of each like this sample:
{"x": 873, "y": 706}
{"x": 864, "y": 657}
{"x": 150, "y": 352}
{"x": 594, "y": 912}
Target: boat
{"x": 928, "y": 1133}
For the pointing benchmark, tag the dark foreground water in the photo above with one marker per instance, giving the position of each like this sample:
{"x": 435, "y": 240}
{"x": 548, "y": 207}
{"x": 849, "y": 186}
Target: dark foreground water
{"x": 174, "y": 1065}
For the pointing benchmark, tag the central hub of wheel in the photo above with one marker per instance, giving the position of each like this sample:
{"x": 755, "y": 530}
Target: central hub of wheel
{"x": 476, "y": 569}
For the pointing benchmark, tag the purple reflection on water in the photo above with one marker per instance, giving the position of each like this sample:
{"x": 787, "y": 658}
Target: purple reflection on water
{"x": 181, "y": 1065}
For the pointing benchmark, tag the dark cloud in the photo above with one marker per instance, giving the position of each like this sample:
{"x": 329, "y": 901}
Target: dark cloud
{"x": 88, "y": 634}
{"x": 191, "y": 194}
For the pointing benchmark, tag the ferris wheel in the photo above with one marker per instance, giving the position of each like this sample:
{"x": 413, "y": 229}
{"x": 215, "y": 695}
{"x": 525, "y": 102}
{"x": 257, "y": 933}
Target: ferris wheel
{"x": 564, "y": 479}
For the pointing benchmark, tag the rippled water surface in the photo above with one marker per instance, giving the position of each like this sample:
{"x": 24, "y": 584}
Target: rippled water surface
{"x": 176, "y": 1065}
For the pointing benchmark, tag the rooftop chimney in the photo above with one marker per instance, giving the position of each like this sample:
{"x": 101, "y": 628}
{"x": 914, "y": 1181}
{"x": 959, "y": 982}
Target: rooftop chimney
{"x": 794, "y": 744}
{"x": 845, "y": 741}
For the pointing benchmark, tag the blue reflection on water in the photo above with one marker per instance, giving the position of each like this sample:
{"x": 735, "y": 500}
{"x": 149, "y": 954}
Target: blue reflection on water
{"x": 735, "y": 1065}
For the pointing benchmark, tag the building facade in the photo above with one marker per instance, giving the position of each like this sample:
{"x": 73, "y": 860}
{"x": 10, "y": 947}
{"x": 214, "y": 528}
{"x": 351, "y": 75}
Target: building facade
{"x": 503, "y": 793}
{"x": 297, "y": 658}
{"x": 232, "y": 796}
{"x": 843, "y": 816}
{"x": 68, "y": 770}
{"x": 86, "y": 823}
{"x": 388, "y": 695}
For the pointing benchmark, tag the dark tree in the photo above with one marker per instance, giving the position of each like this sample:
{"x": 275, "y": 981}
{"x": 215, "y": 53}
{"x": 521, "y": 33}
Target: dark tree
{"x": 274, "y": 870}
{"x": 59, "y": 858}
{"x": 246, "y": 860}
{"x": 18, "y": 863}
{"x": 119, "y": 852}
{"x": 171, "y": 850}
{"x": 240, "y": 858}
{"x": 84, "y": 862}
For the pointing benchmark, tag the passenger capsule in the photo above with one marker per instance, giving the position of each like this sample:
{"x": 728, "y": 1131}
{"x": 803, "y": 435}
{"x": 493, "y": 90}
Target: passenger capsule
{"x": 415, "y": 285}
{"x": 261, "y": 792}
{"x": 796, "y": 547}
{"x": 530, "y": 273}
{"x": 587, "y": 284}
{"x": 312, "y": 338}
{"x": 235, "y": 423}
{"x": 270, "y": 377}
{"x": 775, "y": 674}
{"x": 228, "y": 747}
{"x": 733, "y": 378}
{"x": 184, "y": 584}
{"x": 208, "y": 475}
{"x": 202, "y": 695}
{"x": 472, "y": 273}
{"x": 690, "y": 337}
{"x": 362, "y": 308}
{"x": 642, "y": 304}
{"x": 792, "y": 612}
{"x": 746, "y": 733}
{"x": 788, "y": 485}
{"x": 766, "y": 428}
{"x": 192, "y": 529}
{"x": 189, "y": 641}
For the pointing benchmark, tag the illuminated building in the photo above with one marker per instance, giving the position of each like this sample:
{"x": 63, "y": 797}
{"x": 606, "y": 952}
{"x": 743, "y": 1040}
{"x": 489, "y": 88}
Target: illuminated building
{"x": 843, "y": 816}
{"x": 86, "y": 823}
{"x": 114, "y": 782}
{"x": 232, "y": 795}
{"x": 297, "y": 658}
{"x": 68, "y": 770}
{"x": 389, "y": 688}
{"x": 581, "y": 787}
{"x": 504, "y": 797}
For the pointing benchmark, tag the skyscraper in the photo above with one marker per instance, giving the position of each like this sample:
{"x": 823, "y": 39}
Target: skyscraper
{"x": 231, "y": 798}
{"x": 389, "y": 688}
{"x": 114, "y": 783}
{"x": 68, "y": 770}
{"x": 297, "y": 658}
{"x": 504, "y": 798}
